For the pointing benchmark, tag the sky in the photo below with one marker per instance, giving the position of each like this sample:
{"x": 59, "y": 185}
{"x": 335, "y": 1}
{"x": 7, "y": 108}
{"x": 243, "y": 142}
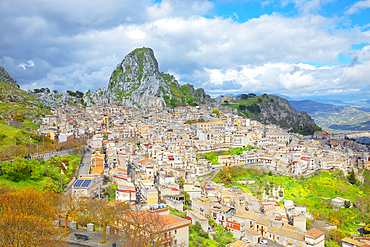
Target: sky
{"x": 302, "y": 49}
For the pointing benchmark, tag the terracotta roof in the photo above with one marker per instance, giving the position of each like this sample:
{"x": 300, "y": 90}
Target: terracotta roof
{"x": 253, "y": 232}
{"x": 239, "y": 243}
{"x": 263, "y": 222}
{"x": 315, "y": 233}
{"x": 98, "y": 169}
{"x": 287, "y": 233}
{"x": 247, "y": 214}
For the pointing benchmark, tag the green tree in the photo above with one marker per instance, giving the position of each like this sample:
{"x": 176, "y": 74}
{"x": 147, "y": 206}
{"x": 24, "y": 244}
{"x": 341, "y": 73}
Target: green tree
{"x": 347, "y": 204}
{"x": 367, "y": 227}
{"x": 181, "y": 182}
{"x": 187, "y": 196}
{"x": 352, "y": 177}
{"x": 215, "y": 111}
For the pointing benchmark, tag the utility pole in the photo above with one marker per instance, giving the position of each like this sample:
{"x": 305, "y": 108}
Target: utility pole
{"x": 30, "y": 145}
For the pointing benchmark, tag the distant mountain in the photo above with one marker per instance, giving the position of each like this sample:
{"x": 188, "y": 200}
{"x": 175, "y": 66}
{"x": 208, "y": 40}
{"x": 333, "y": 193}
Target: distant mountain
{"x": 274, "y": 109}
{"x": 335, "y": 118}
{"x": 136, "y": 82}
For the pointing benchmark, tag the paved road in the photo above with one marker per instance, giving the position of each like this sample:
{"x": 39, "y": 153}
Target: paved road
{"x": 49, "y": 155}
{"x": 216, "y": 171}
{"x": 269, "y": 243}
{"x": 84, "y": 170}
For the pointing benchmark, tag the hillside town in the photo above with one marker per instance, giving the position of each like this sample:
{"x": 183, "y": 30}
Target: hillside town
{"x": 152, "y": 156}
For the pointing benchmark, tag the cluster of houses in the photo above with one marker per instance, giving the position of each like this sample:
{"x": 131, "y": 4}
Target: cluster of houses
{"x": 155, "y": 156}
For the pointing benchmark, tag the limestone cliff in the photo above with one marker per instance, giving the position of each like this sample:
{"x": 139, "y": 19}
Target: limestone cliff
{"x": 274, "y": 109}
{"x": 136, "y": 82}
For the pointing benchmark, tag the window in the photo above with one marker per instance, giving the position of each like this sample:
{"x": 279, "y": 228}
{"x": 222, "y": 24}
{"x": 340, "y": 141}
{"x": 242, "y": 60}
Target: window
{"x": 175, "y": 231}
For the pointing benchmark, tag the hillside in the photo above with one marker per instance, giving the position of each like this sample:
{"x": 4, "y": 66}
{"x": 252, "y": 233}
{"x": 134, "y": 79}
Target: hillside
{"x": 334, "y": 118}
{"x": 136, "y": 82}
{"x": 22, "y": 108}
{"x": 274, "y": 109}
{"x": 315, "y": 193}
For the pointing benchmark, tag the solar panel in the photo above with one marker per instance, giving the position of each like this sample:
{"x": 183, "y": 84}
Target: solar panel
{"x": 86, "y": 183}
{"x": 78, "y": 183}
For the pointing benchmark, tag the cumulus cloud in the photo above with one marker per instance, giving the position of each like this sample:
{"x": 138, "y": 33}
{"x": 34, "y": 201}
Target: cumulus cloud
{"x": 294, "y": 80}
{"x": 358, "y": 6}
{"x": 76, "y": 45}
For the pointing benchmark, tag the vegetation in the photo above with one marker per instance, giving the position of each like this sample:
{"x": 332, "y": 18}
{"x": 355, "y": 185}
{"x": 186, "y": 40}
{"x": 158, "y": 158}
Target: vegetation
{"x": 315, "y": 193}
{"x": 213, "y": 156}
{"x": 27, "y": 217}
{"x": 47, "y": 176}
{"x": 215, "y": 111}
{"x": 194, "y": 121}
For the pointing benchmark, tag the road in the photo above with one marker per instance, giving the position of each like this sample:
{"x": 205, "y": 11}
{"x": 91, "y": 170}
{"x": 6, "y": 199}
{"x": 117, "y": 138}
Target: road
{"x": 216, "y": 171}
{"x": 49, "y": 155}
{"x": 84, "y": 170}
{"x": 269, "y": 244}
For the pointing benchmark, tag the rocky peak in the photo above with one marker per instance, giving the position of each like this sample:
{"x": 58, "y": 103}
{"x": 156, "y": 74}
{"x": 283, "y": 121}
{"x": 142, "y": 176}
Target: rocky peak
{"x": 5, "y": 77}
{"x": 136, "y": 82}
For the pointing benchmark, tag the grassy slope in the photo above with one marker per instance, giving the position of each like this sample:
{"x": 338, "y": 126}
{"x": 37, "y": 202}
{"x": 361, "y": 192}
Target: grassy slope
{"x": 15, "y": 101}
{"x": 315, "y": 193}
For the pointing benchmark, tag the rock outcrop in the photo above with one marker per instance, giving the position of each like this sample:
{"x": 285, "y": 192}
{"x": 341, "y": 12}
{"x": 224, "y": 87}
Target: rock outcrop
{"x": 136, "y": 82}
{"x": 5, "y": 77}
{"x": 274, "y": 109}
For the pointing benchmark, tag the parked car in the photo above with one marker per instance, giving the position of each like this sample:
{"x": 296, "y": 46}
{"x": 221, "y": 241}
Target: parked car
{"x": 246, "y": 240}
{"x": 264, "y": 242}
{"x": 82, "y": 164}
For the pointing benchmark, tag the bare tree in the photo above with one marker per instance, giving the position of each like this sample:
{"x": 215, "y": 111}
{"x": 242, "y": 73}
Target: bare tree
{"x": 144, "y": 229}
{"x": 103, "y": 212}
{"x": 68, "y": 205}
{"x": 27, "y": 218}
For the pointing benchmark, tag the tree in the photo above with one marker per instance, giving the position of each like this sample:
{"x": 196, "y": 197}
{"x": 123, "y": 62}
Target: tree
{"x": 242, "y": 107}
{"x": 144, "y": 229}
{"x": 347, "y": 204}
{"x": 27, "y": 218}
{"x": 181, "y": 183}
{"x": 104, "y": 212}
{"x": 187, "y": 196}
{"x": 225, "y": 175}
{"x": 68, "y": 205}
{"x": 21, "y": 169}
{"x": 79, "y": 94}
{"x": 244, "y": 96}
{"x": 336, "y": 235}
{"x": 215, "y": 111}
{"x": 352, "y": 177}
{"x": 367, "y": 227}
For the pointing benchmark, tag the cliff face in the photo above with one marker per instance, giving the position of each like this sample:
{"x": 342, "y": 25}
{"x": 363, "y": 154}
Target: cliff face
{"x": 136, "y": 82}
{"x": 273, "y": 109}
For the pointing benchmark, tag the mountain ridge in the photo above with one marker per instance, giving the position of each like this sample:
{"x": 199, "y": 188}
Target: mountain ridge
{"x": 335, "y": 118}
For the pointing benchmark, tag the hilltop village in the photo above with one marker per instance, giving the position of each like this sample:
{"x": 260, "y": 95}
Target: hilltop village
{"x": 155, "y": 158}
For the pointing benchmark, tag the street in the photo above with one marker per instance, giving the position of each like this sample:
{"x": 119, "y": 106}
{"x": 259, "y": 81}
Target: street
{"x": 49, "y": 155}
{"x": 84, "y": 170}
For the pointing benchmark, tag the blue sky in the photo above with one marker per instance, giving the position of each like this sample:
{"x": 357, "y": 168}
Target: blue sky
{"x": 304, "y": 49}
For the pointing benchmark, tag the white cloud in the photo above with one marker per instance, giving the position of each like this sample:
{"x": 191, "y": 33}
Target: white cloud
{"x": 27, "y": 64}
{"x": 79, "y": 48}
{"x": 358, "y": 6}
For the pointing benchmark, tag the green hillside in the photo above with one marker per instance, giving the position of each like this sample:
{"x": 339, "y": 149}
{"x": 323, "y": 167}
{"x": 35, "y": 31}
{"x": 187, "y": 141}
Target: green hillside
{"x": 315, "y": 193}
{"x": 273, "y": 109}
